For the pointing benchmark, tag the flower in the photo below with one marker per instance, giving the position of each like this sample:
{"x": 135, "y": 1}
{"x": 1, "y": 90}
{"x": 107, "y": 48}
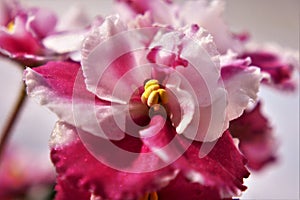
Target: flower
{"x": 27, "y": 34}
{"x": 145, "y": 106}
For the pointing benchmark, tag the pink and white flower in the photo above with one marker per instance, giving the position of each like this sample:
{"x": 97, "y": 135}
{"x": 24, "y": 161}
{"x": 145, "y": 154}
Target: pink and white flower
{"x": 115, "y": 140}
{"x": 27, "y": 34}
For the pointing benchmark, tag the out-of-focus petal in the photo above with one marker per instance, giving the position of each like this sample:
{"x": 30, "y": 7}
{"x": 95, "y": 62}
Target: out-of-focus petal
{"x": 255, "y": 134}
{"x": 41, "y": 22}
{"x": 208, "y": 14}
{"x": 161, "y": 11}
{"x": 281, "y": 64}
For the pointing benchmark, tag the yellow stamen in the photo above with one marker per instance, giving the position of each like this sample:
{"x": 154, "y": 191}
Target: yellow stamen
{"x": 151, "y": 82}
{"x": 11, "y": 26}
{"x": 163, "y": 96}
{"x": 148, "y": 91}
{"x": 153, "y": 98}
{"x": 154, "y": 94}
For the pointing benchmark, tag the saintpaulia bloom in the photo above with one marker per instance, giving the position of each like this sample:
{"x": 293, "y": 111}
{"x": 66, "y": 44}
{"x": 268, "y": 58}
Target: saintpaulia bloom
{"x": 146, "y": 111}
{"x": 25, "y": 32}
{"x": 208, "y": 14}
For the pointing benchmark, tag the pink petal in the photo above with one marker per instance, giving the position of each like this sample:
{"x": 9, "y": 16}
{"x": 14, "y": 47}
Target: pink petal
{"x": 256, "y": 138}
{"x": 181, "y": 188}
{"x": 110, "y": 63}
{"x": 222, "y": 169}
{"x": 242, "y": 83}
{"x": 278, "y": 63}
{"x": 60, "y": 86}
{"x": 41, "y": 22}
{"x": 78, "y": 169}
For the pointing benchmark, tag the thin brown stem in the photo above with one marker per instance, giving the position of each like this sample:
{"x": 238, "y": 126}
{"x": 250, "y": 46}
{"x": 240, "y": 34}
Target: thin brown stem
{"x": 8, "y": 127}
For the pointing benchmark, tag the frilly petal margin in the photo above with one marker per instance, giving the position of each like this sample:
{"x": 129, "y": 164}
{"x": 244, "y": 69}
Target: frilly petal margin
{"x": 81, "y": 173}
{"x": 224, "y": 159}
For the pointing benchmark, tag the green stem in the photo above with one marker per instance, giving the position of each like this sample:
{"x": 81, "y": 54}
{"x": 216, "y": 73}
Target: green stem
{"x": 11, "y": 120}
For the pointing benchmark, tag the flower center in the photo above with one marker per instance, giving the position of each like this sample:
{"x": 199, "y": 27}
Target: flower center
{"x": 150, "y": 196}
{"x": 154, "y": 93}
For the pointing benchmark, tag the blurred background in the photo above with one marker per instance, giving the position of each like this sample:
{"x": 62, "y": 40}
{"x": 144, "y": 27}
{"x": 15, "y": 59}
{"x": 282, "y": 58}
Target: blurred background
{"x": 266, "y": 20}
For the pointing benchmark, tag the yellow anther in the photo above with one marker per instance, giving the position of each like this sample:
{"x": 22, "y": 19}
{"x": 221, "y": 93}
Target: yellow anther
{"x": 11, "y": 26}
{"x": 163, "y": 96}
{"x": 154, "y": 94}
{"x": 151, "y": 82}
{"x": 148, "y": 91}
{"x": 153, "y": 98}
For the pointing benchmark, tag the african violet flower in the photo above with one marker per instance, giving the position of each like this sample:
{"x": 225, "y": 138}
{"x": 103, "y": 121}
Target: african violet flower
{"x": 208, "y": 14}
{"x": 146, "y": 111}
{"x": 26, "y": 34}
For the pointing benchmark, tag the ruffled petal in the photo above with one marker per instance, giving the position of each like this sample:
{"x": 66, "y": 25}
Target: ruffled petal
{"x": 281, "y": 64}
{"x": 199, "y": 162}
{"x": 60, "y": 86}
{"x": 241, "y": 82}
{"x": 255, "y": 134}
{"x": 110, "y": 64}
{"x": 78, "y": 169}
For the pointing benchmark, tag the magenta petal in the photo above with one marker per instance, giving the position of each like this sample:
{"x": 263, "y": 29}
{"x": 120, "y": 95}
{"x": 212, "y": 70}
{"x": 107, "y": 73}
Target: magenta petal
{"x": 279, "y": 68}
{"x": 78, "y": 169}
{"x": 256, "y": 137}
{"x": 222, "y": 169}
{"x": 60, "y": 86}
{"x": 181, "y": 188}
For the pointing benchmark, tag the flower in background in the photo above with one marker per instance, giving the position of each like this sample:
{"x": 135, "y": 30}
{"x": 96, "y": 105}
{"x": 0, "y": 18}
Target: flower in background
{"x": 25, "y": 176}
{"x": 148, "y": 92}
{"x": 27, "y": 34}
